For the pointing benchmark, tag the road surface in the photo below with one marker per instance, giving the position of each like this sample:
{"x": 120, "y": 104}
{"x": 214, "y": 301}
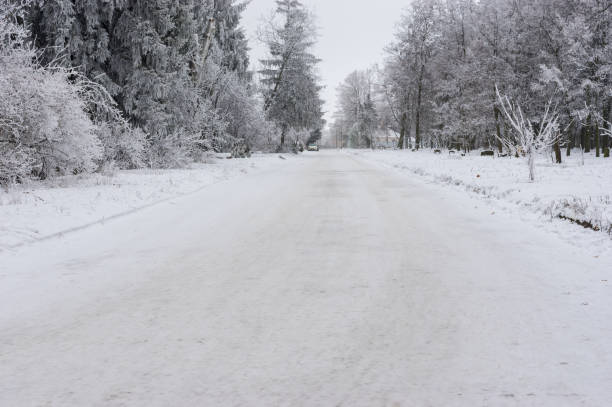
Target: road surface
{"x": 325, "y": 282}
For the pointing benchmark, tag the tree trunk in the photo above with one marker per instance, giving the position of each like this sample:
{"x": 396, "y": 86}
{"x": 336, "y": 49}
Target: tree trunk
{"x": 278, "y": 81}
{"x": 557, "y": 148}
{"x": 607, "y": 125}
{"x": 531, "y": 162}
{"x": 587, "y": 136}
{"x": 283, "y": 135}
{"x": 597, "y": 142}
{"x": 500, "y": 146}
{"x": 211, "y": 31}
{"x": 407, "y": 138}
{"x": 417, "y": 140}
{"x": 402, "y": 141}
{"x": 570, "y": 140}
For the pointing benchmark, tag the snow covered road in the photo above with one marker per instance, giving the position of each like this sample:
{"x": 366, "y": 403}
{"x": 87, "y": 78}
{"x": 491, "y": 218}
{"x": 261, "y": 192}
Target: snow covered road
{"x": 330, "y": 283}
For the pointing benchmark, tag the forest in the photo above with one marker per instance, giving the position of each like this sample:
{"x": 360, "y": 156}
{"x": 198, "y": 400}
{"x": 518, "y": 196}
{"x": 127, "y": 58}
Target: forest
{"x": 87, "y": 85}
{"x": 92, "y": 85}
{"x": 495, "y": 74}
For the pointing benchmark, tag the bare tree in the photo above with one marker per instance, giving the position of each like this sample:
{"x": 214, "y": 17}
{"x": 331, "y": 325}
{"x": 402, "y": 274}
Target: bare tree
{"x": 526, "y": 139}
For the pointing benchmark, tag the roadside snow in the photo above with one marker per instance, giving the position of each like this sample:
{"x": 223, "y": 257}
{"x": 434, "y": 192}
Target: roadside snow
{"x": 39, "y": 210}
{"x": 568, "y": 194}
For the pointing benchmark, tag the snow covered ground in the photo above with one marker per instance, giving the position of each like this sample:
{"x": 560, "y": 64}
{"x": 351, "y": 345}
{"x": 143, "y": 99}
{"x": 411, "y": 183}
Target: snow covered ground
{"x": 43, "y": 209}
{"x": 560, "y": 195}
{"x": 323, "y": 280}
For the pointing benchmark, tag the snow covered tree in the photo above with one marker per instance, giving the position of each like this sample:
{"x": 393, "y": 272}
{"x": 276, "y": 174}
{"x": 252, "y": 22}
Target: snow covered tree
{"x": 45, "y": 125}
{"x": 290, "y": 84}
{"x": 230, "y": 35}
{"x": 170, "y": 66}
{"x": 398, "y": 89}
{"x": 463, "y": 110}
{"x": 526, "y": 138}
{"x": 357, "y": 108}
{"x": 441, "y": 71}
{"x": 407, "y": 71}
{"x": 417, "y": 39}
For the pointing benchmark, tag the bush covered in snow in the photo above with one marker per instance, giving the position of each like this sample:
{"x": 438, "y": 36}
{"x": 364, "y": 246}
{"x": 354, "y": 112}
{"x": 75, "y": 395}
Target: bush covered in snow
{"x": 44, "y": 125}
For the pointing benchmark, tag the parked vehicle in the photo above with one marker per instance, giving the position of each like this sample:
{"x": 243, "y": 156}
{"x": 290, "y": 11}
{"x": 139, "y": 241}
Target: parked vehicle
{"x": 313, "y": 147}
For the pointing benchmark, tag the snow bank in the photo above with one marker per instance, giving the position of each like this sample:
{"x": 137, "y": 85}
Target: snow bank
{"x": 43, "y": 209}
{"x": 581, "y": 194}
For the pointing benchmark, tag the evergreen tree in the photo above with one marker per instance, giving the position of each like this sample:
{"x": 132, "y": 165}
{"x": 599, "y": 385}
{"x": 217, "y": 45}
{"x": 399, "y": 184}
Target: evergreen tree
{"x": 169, "y": 65}
{"x": 291, "y": 92}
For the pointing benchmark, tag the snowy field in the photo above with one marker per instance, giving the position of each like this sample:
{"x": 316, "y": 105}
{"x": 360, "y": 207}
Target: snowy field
{"x": 41, "y": 210}
{"x": 561, "y": 196}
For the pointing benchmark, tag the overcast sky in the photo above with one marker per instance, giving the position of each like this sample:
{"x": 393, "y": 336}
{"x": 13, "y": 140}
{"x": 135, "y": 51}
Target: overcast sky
{"x": 353, "y": 34}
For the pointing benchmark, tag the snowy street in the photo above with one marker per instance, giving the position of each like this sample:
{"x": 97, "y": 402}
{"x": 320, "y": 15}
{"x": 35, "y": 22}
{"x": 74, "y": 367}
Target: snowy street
{"x": 327, "y": 281}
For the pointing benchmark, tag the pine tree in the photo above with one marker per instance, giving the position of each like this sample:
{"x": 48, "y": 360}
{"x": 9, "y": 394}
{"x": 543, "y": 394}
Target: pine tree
{"x": 172, "y": 67}
{"x": 291, "y": 92}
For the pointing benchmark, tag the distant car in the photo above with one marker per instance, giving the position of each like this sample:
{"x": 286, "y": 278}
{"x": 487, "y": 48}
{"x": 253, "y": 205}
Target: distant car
{"x": 313, "y": 147}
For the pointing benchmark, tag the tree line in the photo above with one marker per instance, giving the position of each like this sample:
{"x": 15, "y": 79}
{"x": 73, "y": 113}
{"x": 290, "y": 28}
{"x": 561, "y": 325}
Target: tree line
{"x": 88, "y": 84}
{"x": 437, "y": 87}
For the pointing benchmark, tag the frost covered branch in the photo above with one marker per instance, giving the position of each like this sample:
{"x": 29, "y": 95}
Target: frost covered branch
{"x": 527, "y": 139}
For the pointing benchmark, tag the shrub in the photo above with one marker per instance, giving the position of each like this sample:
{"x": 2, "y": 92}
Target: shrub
{"x": 44, "y": 125}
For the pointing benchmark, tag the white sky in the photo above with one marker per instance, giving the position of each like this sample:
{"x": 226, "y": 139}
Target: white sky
{"x": 353, "y": 34}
